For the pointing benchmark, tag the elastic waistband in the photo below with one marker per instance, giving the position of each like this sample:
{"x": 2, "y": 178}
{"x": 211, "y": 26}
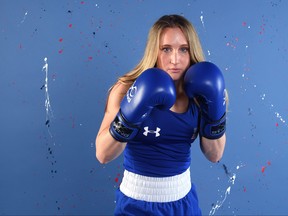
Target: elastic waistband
{"x": 156, "y": 189}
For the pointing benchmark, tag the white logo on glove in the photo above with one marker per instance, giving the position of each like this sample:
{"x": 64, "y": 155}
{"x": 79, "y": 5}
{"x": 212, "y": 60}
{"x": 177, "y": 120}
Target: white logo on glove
{"x": 151, "y": 131}
{"x": 224, "y": 98}
{"x": 131, "y": 92}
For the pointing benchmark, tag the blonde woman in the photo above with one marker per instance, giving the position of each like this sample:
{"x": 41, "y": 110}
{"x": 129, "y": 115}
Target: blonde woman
{"x": 155, "y": 112}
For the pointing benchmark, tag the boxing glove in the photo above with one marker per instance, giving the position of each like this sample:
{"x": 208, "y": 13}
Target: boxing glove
{"x": 205, "y": 82}
{"x": 153, "y": 88}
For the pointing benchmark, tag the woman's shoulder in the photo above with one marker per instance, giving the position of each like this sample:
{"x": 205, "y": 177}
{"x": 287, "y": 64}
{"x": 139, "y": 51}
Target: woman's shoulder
{"x": 118, "y": 90}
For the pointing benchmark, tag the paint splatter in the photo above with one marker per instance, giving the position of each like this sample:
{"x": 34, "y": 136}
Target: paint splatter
{"x": 202, "y": 19}
{"x": 263, "y": 97}
{"x": 262, "y": 29}
{"x": 244, "y": 24}
{"x": 231, "y": 181}
{"x": 232, "y": 44}
{"x": 218, "y": 204}
{"x": 263, "y": 168}
{"x": 48, "y": 108}
{"x": 24, "y": 18}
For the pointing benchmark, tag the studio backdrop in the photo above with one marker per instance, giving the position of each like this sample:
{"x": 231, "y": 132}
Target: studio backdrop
{"x": 57, "y": 62}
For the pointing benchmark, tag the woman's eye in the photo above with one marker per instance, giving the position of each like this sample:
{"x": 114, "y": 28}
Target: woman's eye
{"x": 184, "y": 49}
{"x": 166, "y": 49}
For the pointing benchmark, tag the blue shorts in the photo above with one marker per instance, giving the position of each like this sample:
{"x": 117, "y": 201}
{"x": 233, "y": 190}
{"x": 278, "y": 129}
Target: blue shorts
{"x": 188, "y": 205}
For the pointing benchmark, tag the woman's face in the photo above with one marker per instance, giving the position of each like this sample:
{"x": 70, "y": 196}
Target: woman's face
{"x": 173, "y": 56}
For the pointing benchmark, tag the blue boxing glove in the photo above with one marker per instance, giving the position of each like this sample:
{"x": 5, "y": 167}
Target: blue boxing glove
{"x": 205, "y": 82}
{"x": 153, "y": 88}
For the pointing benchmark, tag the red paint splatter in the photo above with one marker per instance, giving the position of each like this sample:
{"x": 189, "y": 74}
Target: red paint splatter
{"x": 262, "y": 27}
{"x": 60, "y": 39}
{"x": 277, "y": 124}
{"x": 82, "y": 2}
{"x": 117, "y": 178}
{"x": 60, "y": 51}
{"x": 244, "y": 23}
{"x": 90, "y": 58}
{"x": 244, "y": 189}
{"x": 264, "y": 167}
{"x": 70, "y": 25}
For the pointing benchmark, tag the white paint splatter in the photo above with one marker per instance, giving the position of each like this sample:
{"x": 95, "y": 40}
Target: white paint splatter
{"x": 202, "y": 19}
{"x": 220, "y": 203}
{"x": 24, "y": 18}
{"x": 271, "y": 106}
{"x": 279, "y": 116}
{"x": 231, "y": 182}
{"x": 240, "y": 166}
{"x": 263, "y": 96}
{"x": 265, "y": 99}
{"x": 49, "y": 112}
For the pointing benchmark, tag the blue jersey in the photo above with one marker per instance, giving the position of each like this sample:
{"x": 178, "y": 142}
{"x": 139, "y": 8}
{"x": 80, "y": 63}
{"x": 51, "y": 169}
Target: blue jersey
{"x": 162, "y": 146}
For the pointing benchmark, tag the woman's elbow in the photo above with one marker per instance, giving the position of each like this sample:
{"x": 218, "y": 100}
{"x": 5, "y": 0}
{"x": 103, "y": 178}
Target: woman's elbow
{"x": 215, "y": 155}
{"x": 105, "y": 156}
{"x": 102, "y": 158}
{"x": 101, "y": 154}
{"x": 214, "y": 158}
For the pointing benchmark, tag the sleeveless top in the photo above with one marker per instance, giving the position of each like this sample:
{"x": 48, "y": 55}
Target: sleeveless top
{"x": 162, "y": 146}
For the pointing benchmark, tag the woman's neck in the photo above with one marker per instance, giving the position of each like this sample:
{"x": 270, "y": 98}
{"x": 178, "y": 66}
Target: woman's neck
{"x": 182, "y": 101}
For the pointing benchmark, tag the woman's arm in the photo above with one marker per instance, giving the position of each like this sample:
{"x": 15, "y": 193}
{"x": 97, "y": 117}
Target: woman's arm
{"x": 213, "y": 149}
{"x": 107, "y": 148}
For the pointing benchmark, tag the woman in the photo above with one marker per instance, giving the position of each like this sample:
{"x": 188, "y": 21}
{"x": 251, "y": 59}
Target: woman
{"x": 157, "y": 145}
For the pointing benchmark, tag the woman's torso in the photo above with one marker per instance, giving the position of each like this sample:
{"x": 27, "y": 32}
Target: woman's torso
{"x": 162, "y": 145}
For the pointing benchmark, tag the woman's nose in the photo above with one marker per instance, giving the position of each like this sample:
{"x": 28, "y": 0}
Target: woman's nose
{"x": 174, "y": 58}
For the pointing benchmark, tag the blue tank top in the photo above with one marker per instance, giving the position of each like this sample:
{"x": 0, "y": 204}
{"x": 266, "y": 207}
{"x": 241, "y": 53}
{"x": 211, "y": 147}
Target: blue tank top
{"x": 162, "y": 146}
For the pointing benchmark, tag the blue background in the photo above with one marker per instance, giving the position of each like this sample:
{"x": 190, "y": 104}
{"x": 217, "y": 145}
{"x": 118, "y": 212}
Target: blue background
{"x": 88, "y": 44}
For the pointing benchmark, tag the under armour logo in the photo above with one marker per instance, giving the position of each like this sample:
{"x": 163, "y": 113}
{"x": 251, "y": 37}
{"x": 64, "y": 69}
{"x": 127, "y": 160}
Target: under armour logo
{"x": 151, "y": 131}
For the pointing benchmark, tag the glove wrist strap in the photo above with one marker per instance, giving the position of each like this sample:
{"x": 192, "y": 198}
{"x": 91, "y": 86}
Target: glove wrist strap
{"x": 213, "y": 129}
{"x": 121, "y": 130}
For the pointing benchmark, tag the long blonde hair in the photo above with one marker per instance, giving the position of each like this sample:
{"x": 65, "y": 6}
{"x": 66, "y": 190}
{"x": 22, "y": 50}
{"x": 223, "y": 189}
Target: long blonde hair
{"x": 149, "y": 58}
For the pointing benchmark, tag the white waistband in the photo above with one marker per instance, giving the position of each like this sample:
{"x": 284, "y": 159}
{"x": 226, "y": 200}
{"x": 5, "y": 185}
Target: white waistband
{"x": 155, "y": 189}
